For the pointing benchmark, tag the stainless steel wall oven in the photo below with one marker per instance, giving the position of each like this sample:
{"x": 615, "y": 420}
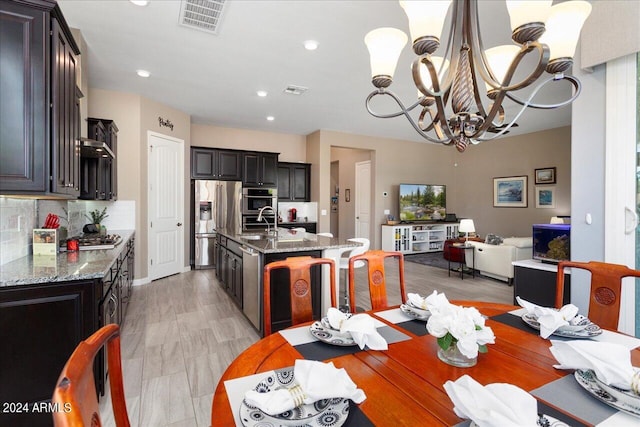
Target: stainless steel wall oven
{"x": 254, "y": 199}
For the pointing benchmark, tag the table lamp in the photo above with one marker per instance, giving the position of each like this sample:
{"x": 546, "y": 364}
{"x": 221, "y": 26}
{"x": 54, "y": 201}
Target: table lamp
{"x": 556, "y": 220}
{"x": 466, "y": 226}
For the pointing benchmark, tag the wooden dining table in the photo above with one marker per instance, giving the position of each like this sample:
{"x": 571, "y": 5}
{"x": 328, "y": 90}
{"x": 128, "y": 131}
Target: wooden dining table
{"x": 404, "y": 384}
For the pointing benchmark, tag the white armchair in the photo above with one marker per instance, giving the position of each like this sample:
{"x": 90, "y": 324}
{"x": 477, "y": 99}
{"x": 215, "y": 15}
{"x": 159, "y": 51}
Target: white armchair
{"x": 495, "y": 260}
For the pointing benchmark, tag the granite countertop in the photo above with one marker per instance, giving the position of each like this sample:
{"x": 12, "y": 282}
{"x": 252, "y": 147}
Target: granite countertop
{"x": 65, "y": 266}
{"x": 309, "y": 242}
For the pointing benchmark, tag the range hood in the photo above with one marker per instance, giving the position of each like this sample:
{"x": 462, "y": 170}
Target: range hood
{"x": 95, "y": 149}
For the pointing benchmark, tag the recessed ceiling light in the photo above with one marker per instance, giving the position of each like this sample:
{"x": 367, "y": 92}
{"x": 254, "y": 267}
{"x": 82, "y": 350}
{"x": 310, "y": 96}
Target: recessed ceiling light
{"x": 261, "y": 93}
{"x": 143, "y": 73}
{"x": 271, "y": 118}
{"x": 140, "y": 2}
{"x": 311, "y": 45}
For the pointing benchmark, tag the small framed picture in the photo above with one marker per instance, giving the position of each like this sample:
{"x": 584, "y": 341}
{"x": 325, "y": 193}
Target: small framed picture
{"x": 546, "y": 176}
{"x": 510, "y": 192}
{"x": 347, "y": 195}
{"x": 44, "y": 241}
{"x": 545, "y": 197}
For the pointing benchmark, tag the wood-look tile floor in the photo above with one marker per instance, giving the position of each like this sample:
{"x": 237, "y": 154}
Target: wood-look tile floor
{"x": 181, "y": 332}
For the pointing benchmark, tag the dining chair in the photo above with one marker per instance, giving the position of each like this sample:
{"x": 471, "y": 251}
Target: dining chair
{"x": 76, "y": 387}
{"x": 299, "y": 287}
{"x": 377, "y": 278}
{"x": 606, "y": 288}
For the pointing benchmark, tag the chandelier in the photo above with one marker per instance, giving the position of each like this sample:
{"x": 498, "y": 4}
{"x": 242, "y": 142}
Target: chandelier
{"x": 451, "y": 92}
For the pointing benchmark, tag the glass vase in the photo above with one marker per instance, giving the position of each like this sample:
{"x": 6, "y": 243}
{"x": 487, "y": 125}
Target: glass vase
{"x": 454, "y": 357}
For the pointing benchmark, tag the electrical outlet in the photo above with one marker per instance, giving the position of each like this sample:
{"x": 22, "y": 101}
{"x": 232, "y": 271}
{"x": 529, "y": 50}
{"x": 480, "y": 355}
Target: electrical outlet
{"x": 387, "y": 211}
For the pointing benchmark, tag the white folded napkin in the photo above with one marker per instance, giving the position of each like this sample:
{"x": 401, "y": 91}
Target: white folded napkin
{"x": 495, "y": 405}
{"x": 316, "y": 381}
{"x": 417, "y": 301}
{"x": 361, "y": 327}
{"x": 550, "y": 319}
{"x": 611, "y": 362}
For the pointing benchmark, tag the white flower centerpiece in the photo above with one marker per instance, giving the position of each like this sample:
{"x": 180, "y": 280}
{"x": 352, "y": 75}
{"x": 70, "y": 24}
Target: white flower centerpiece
{"x": 461, "y": 331}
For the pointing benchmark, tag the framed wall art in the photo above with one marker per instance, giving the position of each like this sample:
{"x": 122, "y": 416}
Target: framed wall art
{"x": 545, "y": 197}
{"x": 510, "y": 192}
{"x": 546, "y": 176}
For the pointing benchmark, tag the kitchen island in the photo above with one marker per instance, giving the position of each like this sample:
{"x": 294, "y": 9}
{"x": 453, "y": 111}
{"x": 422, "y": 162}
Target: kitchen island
{"x": 241, "y": 259}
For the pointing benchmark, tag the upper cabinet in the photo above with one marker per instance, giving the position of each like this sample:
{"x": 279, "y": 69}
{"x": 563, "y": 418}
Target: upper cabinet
{"x": 294, "y": 182}
{"x": 260, "y": 169}
{"x": 209, "y": 163}
{"x": 39, "y": 127}
{"x": 99, "y": 168}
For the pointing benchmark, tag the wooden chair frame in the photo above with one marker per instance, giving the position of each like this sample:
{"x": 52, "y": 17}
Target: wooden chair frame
{"x": 606, "y": 289}
{"x": 75, "y": 391}
{"x": 377, "y": 278}
{"x": 299, "y": 288}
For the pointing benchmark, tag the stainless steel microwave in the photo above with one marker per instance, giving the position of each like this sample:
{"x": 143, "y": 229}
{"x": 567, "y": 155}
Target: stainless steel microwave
{"x": 254, "y": 199}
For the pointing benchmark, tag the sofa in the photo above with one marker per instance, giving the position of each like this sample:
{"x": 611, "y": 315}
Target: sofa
{"x": 496, "y": 260}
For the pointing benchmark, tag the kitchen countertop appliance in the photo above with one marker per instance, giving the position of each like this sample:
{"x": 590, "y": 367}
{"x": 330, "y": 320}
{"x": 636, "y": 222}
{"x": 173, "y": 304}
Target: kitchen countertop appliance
{"x": 217, "y": 205}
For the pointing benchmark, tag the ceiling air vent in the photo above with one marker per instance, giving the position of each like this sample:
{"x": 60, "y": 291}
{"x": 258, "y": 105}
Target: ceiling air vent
{"x": 295, "y": 90}
{"x": 204, "y": 15}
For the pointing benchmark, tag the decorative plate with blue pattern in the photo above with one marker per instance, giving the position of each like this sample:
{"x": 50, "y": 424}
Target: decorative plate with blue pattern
{"x": 622, "y": 400}
{"x": 323, "y": 413}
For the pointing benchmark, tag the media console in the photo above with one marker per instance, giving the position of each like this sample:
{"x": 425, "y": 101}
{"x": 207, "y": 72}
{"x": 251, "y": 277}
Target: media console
{"x": 419, "y": 237}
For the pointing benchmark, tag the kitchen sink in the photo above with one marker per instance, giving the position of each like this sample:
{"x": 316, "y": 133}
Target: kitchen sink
{"x": 253, "y": 236}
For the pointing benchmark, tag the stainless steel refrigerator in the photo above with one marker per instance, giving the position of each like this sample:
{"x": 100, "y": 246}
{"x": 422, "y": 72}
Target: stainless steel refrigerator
{"x": 217, "y": 206}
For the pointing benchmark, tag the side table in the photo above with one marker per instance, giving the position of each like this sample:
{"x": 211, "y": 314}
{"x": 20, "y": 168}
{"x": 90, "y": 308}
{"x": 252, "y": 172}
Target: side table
{"x": 462, "y": 262}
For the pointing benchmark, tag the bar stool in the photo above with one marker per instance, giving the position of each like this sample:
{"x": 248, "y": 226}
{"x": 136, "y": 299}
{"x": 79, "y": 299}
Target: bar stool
{"x": 325, "y": 234}
{"x": 344, "y": 265}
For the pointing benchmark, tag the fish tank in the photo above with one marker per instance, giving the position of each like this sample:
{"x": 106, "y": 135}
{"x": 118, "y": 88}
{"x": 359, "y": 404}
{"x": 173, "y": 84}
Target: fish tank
{"x": 552, "y": 242}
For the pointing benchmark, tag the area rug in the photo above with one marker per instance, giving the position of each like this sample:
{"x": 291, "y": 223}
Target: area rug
{"x": 433, "y": 259}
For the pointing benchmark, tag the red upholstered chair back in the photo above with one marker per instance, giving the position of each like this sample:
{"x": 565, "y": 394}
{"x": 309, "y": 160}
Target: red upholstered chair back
{"x": 606, "y": 288}
{"x": 76, "y": 387}
{"x": 299, "y": 288}
{"x": 377, "y": 278}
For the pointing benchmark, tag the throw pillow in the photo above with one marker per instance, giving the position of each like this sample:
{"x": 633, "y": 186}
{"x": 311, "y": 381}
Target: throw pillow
{"x": 493, "y": 239}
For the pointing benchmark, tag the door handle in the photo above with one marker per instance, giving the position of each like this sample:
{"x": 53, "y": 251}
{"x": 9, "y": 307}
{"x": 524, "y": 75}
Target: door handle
{"x": 631, "y": 220}
{"x": 179, "y": 224}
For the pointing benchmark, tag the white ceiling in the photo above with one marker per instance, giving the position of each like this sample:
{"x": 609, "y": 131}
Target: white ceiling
{"x": 259, "y": 46}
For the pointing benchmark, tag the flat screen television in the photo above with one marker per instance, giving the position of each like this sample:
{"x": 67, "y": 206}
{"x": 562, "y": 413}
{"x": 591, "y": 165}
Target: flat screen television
{"x": 552, "y": 242}
{"x": 422, "y": 202}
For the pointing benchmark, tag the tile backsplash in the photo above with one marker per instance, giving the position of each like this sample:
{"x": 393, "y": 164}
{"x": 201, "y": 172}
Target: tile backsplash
{"x": 17, "y": 220}
{"x": 18, "y": 217}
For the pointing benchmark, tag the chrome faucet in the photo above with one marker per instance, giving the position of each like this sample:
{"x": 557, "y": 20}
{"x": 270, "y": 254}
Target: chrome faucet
{"x": 275, "y": 218}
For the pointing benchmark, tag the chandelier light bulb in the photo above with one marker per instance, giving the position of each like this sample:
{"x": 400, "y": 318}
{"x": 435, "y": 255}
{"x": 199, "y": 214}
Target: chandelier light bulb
{"x": 499, "y": 59}
{"x": 143, "y": 73}
{"x": 563, "y": 30}
{"x": 261, "y": 93}
{"x": 425, "y": 76}
{"x": 426, "y": 19}
{"x": 528, "y": 18}
{"x": 385, "y": 45}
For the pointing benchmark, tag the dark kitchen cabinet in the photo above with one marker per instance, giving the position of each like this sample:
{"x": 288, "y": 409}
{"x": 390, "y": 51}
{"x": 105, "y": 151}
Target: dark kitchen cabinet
{"x": 98, "y": 170}
{"x": 260, "y": 169}
{"x": 537, "y": 284}
{"x": 229, "y": 268}
{"x": 294, "y": 182}
{"x": 40, "y": 326}
{"x": 210, "y": 163}
{"x": 38, "y": 133}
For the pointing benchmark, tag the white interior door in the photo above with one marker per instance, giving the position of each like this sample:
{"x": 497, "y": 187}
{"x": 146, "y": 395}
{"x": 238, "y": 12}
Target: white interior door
{"x": 621, "y": 203}
{"x": 363, "y": 199}
{"x": 165, "y": 205}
